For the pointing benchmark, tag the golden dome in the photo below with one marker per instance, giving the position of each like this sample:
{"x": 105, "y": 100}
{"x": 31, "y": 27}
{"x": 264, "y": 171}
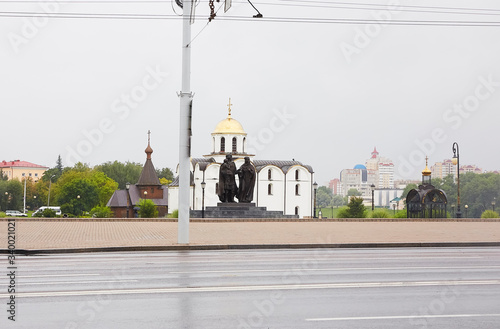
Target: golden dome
{"x": 426, "y": 171}
{"x": 229, "y": 125}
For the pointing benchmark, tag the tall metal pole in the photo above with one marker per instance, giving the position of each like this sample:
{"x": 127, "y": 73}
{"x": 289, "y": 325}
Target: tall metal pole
{"x": 186, "y": 98}
{"x": 456, "y": 155}
{"x": 24, "y": 199}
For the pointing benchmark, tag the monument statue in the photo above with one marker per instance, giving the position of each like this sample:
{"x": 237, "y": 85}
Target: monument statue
{"x": 246, "y": 174}
{"x": 227, "y": 183}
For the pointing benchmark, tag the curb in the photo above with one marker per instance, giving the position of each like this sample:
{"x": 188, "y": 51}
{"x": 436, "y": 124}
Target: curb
{"x": 255, "y": 247}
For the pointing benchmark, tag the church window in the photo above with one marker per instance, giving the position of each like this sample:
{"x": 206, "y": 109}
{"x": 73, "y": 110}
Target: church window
{"x": 297, "y": 174}
{"x": 269, "y": 174}
{"x": 270, "y": 189}
{"x": 234, "y": 144}
{"x": 223, "y": 144}
{"x": 296, "y": 210}
{"x": 244, "y": 141}
{"x": 297, "y": 189}
{"x": 216, "y": 188}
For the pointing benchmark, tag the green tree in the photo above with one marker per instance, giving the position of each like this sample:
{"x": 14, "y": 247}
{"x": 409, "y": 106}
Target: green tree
{"x": 122, "y": 173}
{"x": 100, "y": 212}
{"x": 78, "y": 196}
{"x": 2, "y": 175}
{"x": 489, "y": 214}
{"x": 323, "y": 197}
{"x": 11, "y": 195}
{"x": 337, "y": 201}
{"x": 407, "y": 189}
{"x": 55, "y": 172}
{"x": 355, "y": 209}
{"x": 165, "y": 173}
{"x": 147, "y": 209}
{"x": 353, "y": 192}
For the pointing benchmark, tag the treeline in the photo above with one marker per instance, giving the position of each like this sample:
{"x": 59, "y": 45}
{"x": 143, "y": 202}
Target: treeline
{"x": 76, "y": 189}
{"x": 478, "y": 193}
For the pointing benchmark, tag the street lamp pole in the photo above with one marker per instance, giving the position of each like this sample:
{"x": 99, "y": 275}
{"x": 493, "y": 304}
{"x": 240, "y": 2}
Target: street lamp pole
{"x": 315, "y": 187}
{"x": 203, "y": 185}
{"x": 456, "y": 161}
{"x": 50, "y": 185}
{"x": 493, "y": 203}
{"x": 127, "y": 186}
{"x": 373, "y": 196}
{"x": 466, "y": 208}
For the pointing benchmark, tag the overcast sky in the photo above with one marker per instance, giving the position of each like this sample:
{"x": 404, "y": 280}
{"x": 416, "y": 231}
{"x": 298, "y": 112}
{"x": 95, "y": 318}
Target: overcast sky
{"x": 324, "y": 94}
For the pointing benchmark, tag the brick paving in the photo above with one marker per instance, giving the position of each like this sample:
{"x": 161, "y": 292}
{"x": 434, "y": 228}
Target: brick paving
{"x": 75, "y": 234}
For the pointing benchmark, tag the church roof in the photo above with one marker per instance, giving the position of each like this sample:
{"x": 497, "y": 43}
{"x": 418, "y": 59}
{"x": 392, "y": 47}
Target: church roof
{"x": 19, "y": 163}
{"x": 229, "y": 125}
{"x": 119, "y": 198}
{"x": 283, "y": 165}
{"x": 148, "y": 174}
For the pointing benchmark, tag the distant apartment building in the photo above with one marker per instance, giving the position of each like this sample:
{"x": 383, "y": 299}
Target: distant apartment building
{"x": 384, "y": 169}
{"x": 359, "y": 178}
{"x": 335, "y": 186}
{"x": 445, "y": 168}
{"x": 470, "y": 168}
{"x": 20, "y": 169}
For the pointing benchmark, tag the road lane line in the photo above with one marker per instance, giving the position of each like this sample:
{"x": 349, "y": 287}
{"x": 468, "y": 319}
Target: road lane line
{"x": 404, "y": 317}
{"x": 75, "y": 282}
{"x": 55, "y": 275}
{"x": 251, "y": 288}
{"x": 345, "y": 269}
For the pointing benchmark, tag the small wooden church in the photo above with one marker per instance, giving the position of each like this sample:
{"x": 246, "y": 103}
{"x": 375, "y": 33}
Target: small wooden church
{"x": 124, "y": 203}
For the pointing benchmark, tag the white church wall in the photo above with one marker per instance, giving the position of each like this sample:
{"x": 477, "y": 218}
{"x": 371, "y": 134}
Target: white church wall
{"x": 273, "y": 201}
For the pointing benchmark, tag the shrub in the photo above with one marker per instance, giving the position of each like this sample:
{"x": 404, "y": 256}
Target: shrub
{"x": 489, "y": 214}
{"x": 174, "y": 214}
{"x": 100, "y": 212}
{"x": 401, "y": 214}
{"x": 380, "y": 213}
{"x": 147, "y": 209}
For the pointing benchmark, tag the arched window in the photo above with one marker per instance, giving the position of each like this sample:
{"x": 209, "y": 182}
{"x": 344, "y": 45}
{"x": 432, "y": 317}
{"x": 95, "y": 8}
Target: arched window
{"x": 213, "y": 144}
{"x": 297, "y": 189}
{"x": 223, "y": 144}
{"x": 269, "y": 174}
{"x": 270, "y": 189}
{"x": 234, "y": 145}
{"x": 297, "y": 174}
{"x": 216, "y": 188}
{"x": 296, "y": 210}
{"x": 244, "y": 141}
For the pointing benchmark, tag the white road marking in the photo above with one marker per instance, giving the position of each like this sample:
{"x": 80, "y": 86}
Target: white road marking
{"x": 404, "y": 317}
{"x": 75, "y": 282}
{"x": 252, "y": 288}
{"x": 346, "y": 269}
{"x": 55, "y": 275}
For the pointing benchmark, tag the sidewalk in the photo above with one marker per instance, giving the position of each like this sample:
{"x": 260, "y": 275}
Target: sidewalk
{"x": 100, "y": 235}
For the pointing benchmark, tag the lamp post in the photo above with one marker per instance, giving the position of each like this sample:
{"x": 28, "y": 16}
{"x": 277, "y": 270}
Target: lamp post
{"x": 315, "y": 187}
{"x": 466, "y": 208}
{"x": 127, "y": 186}
{"x": 50, "y": 185}
{"x": 203, "y": 185}
{"x": 394, "y": 207}
{"x": 373, "y": 196}
{"x": 493, "y": 203}
{"x": 452, "y": 209}
{"x": 320, "y": 214}
{"x": 79, "y": 206}
{"x": 456, "y": 161}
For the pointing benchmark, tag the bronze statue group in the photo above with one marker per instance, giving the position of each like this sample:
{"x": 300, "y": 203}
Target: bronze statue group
{"x": 228, "y": 189}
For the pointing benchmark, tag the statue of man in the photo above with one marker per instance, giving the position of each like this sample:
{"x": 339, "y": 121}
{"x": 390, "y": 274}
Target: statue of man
{"x": 227, "y": 183}
{"x": 246, "y": 173}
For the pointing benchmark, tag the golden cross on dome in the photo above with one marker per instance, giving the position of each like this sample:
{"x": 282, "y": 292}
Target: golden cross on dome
{"x": 229, "y": 107}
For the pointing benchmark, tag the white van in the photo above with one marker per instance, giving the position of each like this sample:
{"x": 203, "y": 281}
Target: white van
{"x": 41, "y": 209}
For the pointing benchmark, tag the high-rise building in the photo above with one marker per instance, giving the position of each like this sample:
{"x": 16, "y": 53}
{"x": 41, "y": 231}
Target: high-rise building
{"x": 384, "y": 168}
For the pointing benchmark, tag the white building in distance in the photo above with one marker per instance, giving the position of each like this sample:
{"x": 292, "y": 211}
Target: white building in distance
{"x": 285, "y": 186}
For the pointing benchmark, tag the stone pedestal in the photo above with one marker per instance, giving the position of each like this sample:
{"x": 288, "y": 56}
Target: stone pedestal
{"x": 239, "y": 210}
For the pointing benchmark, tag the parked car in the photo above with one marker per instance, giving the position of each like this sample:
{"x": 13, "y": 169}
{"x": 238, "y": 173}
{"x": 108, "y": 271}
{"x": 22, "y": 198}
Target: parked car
{"x": 15, "y": 213}
{"x": 41, "y": 209}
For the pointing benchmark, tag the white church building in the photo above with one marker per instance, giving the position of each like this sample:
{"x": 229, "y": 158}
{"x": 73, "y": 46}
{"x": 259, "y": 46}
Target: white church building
{"x": 285, "y": 186}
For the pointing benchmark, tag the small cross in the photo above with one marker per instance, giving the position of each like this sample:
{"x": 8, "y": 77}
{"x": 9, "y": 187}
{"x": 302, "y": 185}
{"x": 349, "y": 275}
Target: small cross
{"x": 229, "y": 106}
{"x": 149, "y": 136}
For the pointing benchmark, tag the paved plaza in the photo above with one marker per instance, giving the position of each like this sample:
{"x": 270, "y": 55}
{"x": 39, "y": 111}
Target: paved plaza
{"x": 85, "y": 234}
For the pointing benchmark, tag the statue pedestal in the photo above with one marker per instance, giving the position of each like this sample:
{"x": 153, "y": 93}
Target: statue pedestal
{"x": 239, "y": 210}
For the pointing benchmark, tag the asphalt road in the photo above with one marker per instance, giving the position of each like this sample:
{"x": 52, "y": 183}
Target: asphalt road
{"x": 321, "y": 288}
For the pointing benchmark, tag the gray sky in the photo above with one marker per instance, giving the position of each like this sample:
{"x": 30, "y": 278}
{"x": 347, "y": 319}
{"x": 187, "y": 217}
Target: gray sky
{"x": 324, "y": 94}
